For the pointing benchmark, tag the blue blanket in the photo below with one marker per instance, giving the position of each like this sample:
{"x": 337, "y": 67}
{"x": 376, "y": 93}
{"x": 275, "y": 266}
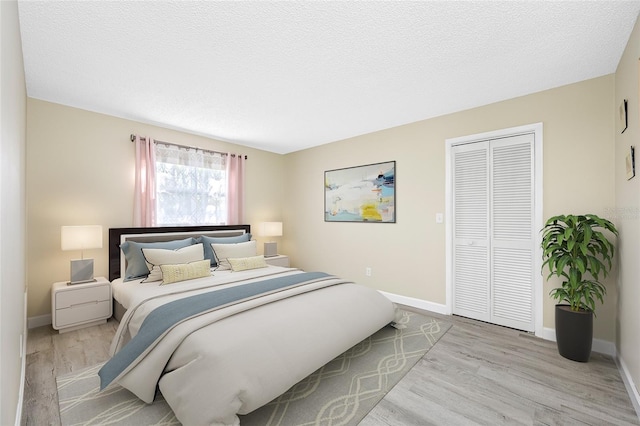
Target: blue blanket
{"x": 166, "y": 316}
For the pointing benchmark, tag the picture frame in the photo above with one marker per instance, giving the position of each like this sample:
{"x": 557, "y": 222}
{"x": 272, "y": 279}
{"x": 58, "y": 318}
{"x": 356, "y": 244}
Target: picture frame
{"x": 623, "y": 113}
{"x": 631, "y": 163}
{"x": 364, "y": 193}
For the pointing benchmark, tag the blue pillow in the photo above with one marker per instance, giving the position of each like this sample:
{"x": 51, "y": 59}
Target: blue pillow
{"x": 207, "y": 241}
{"x": 136, "y": 265}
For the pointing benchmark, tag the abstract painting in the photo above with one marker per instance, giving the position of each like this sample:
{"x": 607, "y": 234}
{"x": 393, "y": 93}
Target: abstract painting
{"x": 361, "y": 194}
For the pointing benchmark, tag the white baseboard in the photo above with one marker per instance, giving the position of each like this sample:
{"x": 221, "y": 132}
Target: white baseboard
{"x": 598, "y": 345}
{"x": 23, "y": 364}
{"x": 39, "y": 321}
{"x": 632, "y": 390}
{"x": 604, "y": 347}
{"x": 417, "y": 303}
{"x": 23, "y": 378}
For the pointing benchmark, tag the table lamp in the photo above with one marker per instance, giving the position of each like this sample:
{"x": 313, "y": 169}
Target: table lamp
{"x": 81, "y": 238}
{"x": 271, "y": 229}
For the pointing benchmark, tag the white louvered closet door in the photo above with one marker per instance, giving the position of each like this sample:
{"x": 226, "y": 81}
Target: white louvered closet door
{"x": 494, "y": 275}
{"x": 471, "y": 295}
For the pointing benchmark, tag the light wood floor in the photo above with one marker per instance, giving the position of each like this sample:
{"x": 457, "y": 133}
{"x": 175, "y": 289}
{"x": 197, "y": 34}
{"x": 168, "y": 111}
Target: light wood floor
{"x": 476, "y": 374}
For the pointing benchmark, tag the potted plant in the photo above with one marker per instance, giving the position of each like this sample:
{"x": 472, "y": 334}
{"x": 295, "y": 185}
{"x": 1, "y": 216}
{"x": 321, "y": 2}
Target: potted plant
{"x": 576, "y": 250}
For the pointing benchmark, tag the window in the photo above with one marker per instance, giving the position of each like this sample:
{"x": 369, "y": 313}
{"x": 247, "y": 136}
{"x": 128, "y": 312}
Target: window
{"x": 191, "y": 186}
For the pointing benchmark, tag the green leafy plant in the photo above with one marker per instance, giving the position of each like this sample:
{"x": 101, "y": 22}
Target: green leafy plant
{"x": 576, "y": 249}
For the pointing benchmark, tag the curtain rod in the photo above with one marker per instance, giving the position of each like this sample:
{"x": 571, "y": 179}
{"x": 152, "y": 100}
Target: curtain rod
{"x": 133, "y": 139}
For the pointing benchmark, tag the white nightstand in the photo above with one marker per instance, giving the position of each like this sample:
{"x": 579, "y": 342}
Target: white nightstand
{"x": 278, "y": 260}
{"x": 80, "y": 305}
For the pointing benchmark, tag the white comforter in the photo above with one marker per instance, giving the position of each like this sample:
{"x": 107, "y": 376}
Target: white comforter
{"x": 235, "y": 359}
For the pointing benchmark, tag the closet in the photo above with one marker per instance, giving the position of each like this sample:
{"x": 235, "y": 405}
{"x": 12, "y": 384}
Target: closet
{"x": 494, "y": 235}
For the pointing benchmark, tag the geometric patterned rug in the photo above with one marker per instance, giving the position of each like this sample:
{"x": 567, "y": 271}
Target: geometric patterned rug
{"x": 82, "y": 403}
{"x": 340, "y": 393}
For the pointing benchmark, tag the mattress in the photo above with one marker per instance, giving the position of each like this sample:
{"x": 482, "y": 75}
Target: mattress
{"x": 130, "y": 293}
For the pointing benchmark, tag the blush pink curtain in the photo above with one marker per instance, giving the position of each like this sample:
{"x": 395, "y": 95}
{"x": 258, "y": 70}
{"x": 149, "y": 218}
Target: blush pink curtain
{"x": 235, "y": 189}
{"x": 144, "y": 203}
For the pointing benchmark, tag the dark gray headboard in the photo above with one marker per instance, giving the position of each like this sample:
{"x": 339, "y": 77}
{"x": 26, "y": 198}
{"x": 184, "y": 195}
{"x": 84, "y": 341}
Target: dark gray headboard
{"x": 115, "y": 235}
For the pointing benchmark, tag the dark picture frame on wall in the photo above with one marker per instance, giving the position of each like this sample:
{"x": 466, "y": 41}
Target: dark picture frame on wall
{"x": 631, "y": 163}
{"x": 361, "y": 194}
{"x": 623, "y": 116}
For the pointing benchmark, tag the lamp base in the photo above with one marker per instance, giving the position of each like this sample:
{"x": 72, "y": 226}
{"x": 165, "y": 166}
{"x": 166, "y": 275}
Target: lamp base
{"x": 81, "y": 271}
{"x": 270, "y": 249}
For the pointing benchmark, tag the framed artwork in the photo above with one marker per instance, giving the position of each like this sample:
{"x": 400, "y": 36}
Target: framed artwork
{"x": 623, "y": 116}
{"x": 631, "y": 163}
{"x": 361, "y": 194}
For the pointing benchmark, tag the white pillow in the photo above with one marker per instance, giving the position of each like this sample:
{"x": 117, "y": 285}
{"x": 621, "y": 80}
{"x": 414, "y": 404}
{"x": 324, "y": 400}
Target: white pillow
{"x": 224, "y": 251}
{"x": 157, "y": 257}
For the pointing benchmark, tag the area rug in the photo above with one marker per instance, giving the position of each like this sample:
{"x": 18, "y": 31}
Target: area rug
{"x": 340, "y": 393}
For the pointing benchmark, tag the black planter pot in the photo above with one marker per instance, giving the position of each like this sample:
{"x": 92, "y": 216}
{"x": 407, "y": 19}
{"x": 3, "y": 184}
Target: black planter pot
{"x": 574, "y": 333}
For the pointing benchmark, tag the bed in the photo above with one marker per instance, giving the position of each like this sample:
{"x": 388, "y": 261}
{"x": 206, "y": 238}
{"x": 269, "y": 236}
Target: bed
{"x": 228, "y": 341}
{"x": 118, "y": 236}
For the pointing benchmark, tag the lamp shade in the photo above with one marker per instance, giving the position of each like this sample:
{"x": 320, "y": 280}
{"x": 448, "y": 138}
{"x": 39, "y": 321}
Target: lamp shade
{"x": 271, "y": 229}
{"x": 81, "y": 237}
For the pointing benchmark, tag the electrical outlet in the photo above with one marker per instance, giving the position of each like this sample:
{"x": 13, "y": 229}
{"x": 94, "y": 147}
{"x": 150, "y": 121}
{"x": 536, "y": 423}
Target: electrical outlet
{"x": 367, "y": 271}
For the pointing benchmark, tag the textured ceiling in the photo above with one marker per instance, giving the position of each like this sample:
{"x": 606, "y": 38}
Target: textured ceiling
{"x": 284, "y": 76}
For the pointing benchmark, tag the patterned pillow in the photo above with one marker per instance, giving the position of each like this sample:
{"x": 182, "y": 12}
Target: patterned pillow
{"x": 245, "y": 263}
{"x": 186, "y": 271}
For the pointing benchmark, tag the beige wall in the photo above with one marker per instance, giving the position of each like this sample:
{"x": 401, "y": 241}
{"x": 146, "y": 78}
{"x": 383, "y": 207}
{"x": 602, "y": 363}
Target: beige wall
{"x": 80, "y": 167}
{"x": 12, "y": 213}
{"x": 80, "y": 171}
{"x": 628, "y": 210}
{"x": 408, "y": 258}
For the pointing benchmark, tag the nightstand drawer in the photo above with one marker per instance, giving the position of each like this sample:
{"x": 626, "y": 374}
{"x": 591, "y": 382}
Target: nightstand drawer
{"x": 81, "y": 313}
{"x": 81, "y": 296}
